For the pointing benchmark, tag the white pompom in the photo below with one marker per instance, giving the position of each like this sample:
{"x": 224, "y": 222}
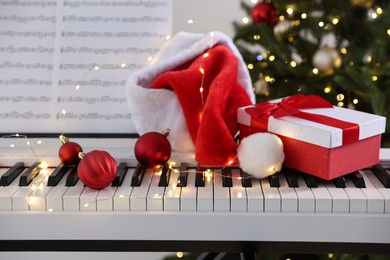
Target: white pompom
{"x": 261, "y": 154}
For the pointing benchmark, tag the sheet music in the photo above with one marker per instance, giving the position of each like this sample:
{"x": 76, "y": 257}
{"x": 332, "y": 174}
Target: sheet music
{"x": 64, "y": 64}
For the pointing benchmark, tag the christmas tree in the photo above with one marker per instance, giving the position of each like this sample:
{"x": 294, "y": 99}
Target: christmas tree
{"x": 339, "y": 50}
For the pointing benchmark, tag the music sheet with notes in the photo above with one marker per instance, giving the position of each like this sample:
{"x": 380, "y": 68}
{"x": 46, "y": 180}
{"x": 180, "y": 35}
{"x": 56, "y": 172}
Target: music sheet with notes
{"x": 64, "y": 64}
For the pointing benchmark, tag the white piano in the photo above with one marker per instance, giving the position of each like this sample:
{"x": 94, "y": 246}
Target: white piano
{"x": 293, "y": 216}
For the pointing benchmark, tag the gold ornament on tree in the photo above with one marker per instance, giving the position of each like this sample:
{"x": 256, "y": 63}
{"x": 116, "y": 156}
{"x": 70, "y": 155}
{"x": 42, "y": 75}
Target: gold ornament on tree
{"x": 326, "y": 59}
{"x": 261, "y": 87}
{"x": 363, "y": 3}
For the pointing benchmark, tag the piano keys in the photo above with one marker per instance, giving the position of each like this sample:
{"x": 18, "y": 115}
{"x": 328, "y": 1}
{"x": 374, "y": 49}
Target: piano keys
{"x": 149, "y": 187}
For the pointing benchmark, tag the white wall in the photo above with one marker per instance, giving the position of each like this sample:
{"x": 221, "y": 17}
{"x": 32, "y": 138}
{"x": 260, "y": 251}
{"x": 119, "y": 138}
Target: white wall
{"x": 208, "y": 15}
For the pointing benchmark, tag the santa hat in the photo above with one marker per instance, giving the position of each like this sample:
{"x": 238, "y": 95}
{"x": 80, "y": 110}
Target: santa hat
{"x": 167, "y": 94}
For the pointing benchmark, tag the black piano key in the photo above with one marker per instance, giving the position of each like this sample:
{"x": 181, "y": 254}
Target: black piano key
{"x": 57, "y": 175}
{"x": 292, "y": 177}
{"x": 227, "y": 177}
{"x": 274, "y": 181}
{"x": 311, "y": 181}
{"x": 382, "y": 174}
{"x": 72, "y": 177}
{"x": 29, "y": 174}
{"x": 120, "y": 175}
{"x": 183, "y": 174}
{"x": 339, "y": 182}
{"x": 357, "y": 179}
{"x": 138, "y": 174}
{"x": 199, "y": 177}
{"x": 246, "y": 180}
{"x": 164, "y": 177}
{"x": 11, "y": 174}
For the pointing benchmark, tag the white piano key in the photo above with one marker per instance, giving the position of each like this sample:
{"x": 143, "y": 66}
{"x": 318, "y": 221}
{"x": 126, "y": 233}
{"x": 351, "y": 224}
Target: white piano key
{"x": 155, "y": 201}
{"x": 255, "y": 196}
{"x": 323, "y": 199}
{"x": 221, "y": 194}
{"x": 288, "y": 196}
{"x": 20, "y": 200}
{"x": 138, "y": 195}
{"x": 272, "y": 200}
{"x": 71, "y": 197}
{"x": 172, "y": 193}
{"x": 375, "y": 201}
{"x": 54, "y": 197}
{"x": 238, "y": 199}
{"x": 306, "y": 200}
{"x": 357, "y": 199}
{"x": 88, "y": 199}
{"x": 381, "y": 189}
{"x": 205, "y": 200}
{"x": 122, "y": 194}
{"x": 6, "y": 194}
{"x": 2, "y": 171}
{"x": 37, "y": 198}
{"x": 105, "y": 199}
{"x": 339, "y": 198}
{"x": 188, "y": 193}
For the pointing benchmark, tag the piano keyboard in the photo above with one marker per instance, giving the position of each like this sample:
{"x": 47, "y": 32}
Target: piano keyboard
{"x": 188, "y": 203}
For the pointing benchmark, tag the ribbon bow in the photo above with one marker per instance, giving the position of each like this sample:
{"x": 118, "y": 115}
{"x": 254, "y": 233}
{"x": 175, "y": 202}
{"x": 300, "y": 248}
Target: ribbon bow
{"x": 291, "y": 106}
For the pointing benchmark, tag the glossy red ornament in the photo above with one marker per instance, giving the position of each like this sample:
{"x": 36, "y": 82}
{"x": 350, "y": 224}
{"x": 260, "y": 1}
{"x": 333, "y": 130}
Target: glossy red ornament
{"x": 264, "y": 12}
{"x": 97, "y": 169}
{"x": 69, "y": 151}
{"x": 153, "y": 149}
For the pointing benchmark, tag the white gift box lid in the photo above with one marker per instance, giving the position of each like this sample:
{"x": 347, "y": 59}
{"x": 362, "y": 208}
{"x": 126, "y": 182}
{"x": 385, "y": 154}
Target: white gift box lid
{"x": 320, "y": 134}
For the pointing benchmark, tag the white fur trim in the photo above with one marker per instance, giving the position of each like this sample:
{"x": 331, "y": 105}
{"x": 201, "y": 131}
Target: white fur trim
{"x": 261, "y": 154}
{"x": 156, "y": 110}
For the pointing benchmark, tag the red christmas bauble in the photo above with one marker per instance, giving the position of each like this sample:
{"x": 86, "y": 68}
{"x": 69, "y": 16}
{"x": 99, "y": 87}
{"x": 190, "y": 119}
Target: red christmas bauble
{"x": 69, "y": 152}
{"x": 152, "y": 150}
{"x": 264, "y": 12}
{"x": 97, "y": 169}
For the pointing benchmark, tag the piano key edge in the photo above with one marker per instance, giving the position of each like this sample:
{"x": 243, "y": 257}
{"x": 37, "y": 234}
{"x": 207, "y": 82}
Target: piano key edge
{"x": 213, "y": 226}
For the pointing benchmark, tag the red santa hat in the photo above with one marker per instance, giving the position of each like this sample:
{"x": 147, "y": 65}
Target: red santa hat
{"x": 194, "y": 87}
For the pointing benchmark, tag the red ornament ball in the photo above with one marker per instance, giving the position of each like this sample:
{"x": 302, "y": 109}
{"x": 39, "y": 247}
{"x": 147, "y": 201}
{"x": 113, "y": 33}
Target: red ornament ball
{"x": 264, "y": 12}
{"x": 97, "y": 169}
{"x": 69, "y": 153}
{"x": 152, "y": 150}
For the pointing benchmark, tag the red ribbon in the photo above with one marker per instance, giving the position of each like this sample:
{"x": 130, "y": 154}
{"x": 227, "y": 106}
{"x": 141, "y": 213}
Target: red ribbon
{"x": 291, "y": 106}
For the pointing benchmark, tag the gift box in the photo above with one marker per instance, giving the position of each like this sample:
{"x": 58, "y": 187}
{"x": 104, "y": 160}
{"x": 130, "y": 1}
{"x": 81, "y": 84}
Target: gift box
{"x": 318, "y": 138}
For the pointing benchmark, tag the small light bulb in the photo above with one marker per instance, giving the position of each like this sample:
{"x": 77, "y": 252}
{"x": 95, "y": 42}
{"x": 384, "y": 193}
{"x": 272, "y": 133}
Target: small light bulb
{"x": 190, "y": 21}
{"x": 340, "y": 97}
{"x": 303, "y": 15}
{"x": 245, "y": 20}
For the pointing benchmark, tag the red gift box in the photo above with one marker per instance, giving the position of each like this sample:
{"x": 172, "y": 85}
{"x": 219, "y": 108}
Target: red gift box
{"x": 318, "y": 138}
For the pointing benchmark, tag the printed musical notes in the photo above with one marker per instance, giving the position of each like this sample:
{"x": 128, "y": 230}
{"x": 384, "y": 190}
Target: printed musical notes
{"x": 64, "y": 64}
